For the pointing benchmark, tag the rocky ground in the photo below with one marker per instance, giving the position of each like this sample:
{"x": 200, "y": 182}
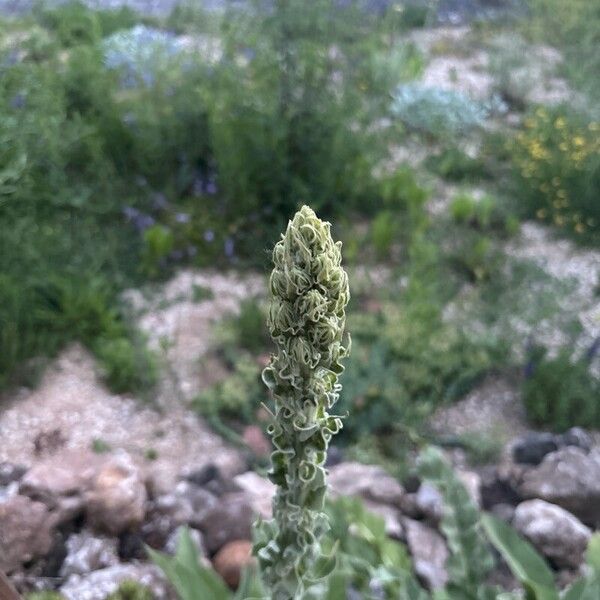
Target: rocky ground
{"x": 78, "y": 521}
{"x": 88, "y": 477}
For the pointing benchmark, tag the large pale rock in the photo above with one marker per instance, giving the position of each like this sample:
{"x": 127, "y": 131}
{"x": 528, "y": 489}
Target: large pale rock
{"x": 555, "y": 532}
{"x": 61, "y": 482}
{"x": 67, "y": 474}
{"x": 365, "y": 481}
{"x": 231, "y": 559}
{"x": 569, "y": 478}
{"x": 429, "y": 553}
{"x": 116, "y": 501}
{"x": 26, "y": 529}
{"x": 97, "y": 585}
{"x": 231, "y": 519}
{"x": 259, "y": 490}
{"x": 86, "y": 552}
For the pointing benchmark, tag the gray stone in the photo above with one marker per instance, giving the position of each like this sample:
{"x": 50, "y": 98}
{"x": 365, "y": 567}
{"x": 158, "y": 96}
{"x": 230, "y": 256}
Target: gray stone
{"x": 533, "y": 447}
{"x": 506, "y": 512}
{"x": 97, "y": 585}
{"x": 10, "y": 473}
{"x": 186, "y": 504}
{"x": 555, "y": 532}
{"x": 86, "y": 552}
{"x": 569, "y": 478}
{"x": 429, "y": 552}
{"x": 365, "y": 481}
{"x": 26, "y": 532}
{"x": 576, "y": 436}
{"x": 231, "y": 519}
{"x": 429, "y": 502}
{"x": 260, "y": 492}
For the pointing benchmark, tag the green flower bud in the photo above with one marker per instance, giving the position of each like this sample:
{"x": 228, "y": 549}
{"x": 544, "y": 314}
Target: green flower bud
{"x": 309, "y": 291}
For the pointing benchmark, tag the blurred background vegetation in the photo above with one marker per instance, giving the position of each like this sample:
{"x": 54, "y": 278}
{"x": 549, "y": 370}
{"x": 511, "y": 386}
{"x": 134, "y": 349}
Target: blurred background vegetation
{"x": 134, "y": 145}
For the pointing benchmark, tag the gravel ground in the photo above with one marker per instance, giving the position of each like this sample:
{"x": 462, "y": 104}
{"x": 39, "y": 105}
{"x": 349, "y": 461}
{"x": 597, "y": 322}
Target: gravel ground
{"x": 72, "y": 408}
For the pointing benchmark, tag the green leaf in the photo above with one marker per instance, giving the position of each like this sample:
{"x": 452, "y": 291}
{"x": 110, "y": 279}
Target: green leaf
{"x": 523, "y": 560}
{"x": 250, "y": 587}
{"x": 593, "y": 552}
{"x": 190, "y": 579}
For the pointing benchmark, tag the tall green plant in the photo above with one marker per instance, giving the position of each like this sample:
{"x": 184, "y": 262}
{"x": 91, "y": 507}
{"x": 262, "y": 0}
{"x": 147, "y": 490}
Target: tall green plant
{"x": 309, "y": 291}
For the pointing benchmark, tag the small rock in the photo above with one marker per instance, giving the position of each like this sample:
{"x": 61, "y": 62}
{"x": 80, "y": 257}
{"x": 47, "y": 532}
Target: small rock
{"x": 578, "y": 437}
{"x": 506, "y": 512}
{"x": 26, "y": 529}
{"x": 496, "y": 488}
{"x": 255, "y": 439}
{"x": 260, "y": 491}
{"x": 117, "y": 500}
{"x": 429, "y": 552}
{"x": 365, "y": 481}
{"x": 97, "y": 585}
{"x": 231, "y": 559}
{"x": 86, "y": 552}
{"x": 211, "y": 479}
{"x": 532, "y": 448}
{"x": 10, "y": 473}
{"x": 132, "y": 546}
{"x": 202, "y": 476}
{"x": 556, "y": 533}
{"x": 231, "y": 519}
{"x": 187, "y": 504}
{"x": 409, "y": 506}
{"x": 569, "y": 478}
{"x": 429, "y": 502}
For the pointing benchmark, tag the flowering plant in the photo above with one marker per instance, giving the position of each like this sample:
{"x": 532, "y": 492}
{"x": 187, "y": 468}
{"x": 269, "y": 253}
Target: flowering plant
{"x": 309, "y": 291}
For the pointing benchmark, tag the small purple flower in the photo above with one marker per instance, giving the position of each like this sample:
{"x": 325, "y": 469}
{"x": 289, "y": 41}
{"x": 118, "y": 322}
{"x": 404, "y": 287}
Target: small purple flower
{"x": 209, "y": 235}
{"x": 211, "y": 188}
{"x": 249, "y": 54}
{"x": 197, "y": 186}
{"x": 529, "y": 369}
{"x": 18, "y": 101}
{"x": 130, "y": 213}
{"x": 229, "y": 247}
{"x": 160, "y": 202}
{"x": 182, "y": 217}
{"x": 192, "y": 251}
{"x": 143, "y": 222}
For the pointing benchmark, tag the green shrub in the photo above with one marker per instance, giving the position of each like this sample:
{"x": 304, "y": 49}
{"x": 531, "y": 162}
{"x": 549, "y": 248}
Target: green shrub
{"x": 560, "y": 392}
{"x": 236, "y": 398}
{"x": 455, "y": 165}
{"x": 556, "y": 160}
{"x": 405, "y": 364}
{"x": 126, "y": 364}
{"x": 575, "y": 29}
